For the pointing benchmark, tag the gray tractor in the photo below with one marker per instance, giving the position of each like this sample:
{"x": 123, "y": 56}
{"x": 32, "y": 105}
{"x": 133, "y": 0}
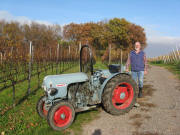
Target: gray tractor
{"x": 66, "y": 94}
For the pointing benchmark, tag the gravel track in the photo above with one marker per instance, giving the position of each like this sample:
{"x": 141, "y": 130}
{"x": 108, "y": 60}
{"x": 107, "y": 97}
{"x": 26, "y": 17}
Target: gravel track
{"x": 159, "y": 113}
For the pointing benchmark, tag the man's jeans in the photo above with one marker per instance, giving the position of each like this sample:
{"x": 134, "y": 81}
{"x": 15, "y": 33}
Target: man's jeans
{"x": 138, "y": 77}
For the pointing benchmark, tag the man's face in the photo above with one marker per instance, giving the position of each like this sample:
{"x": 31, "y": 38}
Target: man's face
{"x": 137, "y": 46}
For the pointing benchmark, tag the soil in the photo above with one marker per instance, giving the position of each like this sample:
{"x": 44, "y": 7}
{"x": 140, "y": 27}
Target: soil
{"x": 158, "y": 114}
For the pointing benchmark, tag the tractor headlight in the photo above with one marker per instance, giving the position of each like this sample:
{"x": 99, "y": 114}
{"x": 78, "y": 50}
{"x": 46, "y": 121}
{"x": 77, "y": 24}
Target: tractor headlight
{"x": 52, "y": 91}
{"x": 44, "y": 87}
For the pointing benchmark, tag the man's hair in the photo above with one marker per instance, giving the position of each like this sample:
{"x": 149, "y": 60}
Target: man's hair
{"x": 137, "y": 42}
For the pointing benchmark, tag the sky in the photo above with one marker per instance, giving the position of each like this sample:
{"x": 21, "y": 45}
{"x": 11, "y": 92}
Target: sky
{"x": 159, "y": 18}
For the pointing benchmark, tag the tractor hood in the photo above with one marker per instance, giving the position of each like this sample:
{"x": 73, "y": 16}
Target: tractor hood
{"x": 61, "y": 82}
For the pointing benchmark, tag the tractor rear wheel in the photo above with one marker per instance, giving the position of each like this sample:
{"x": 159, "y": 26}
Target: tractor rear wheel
{"x": 119, "y": 95}
{"x": 61, "y": 115}
{"x": 40, "y": 107}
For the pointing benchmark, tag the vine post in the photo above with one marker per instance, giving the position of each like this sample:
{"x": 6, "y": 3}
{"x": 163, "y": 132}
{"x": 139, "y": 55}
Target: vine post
{"x": 30, "y": 65}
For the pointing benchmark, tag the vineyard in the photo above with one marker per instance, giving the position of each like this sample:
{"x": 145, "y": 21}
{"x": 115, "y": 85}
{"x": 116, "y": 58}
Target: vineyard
{"x": 30, "y": 52}
{"x": 22, "y": 69}
{"x": 26, "y": 64}
{"x": 173, "y": 57}
{"x": 171, "y": 61}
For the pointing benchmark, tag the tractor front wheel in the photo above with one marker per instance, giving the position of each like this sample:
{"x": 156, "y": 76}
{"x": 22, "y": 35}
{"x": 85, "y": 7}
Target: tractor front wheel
{"x": 119, "y": 95}
{"x": 40, "y": 107}
{"x": 61, "y": 115}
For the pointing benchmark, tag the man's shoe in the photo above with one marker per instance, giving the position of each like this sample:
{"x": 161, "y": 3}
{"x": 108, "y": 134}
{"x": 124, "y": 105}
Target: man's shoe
{"x": 140, "y": 93}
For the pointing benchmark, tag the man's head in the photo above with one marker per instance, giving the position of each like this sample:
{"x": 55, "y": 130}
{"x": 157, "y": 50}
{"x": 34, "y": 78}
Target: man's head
{"x": 137, "y": 46}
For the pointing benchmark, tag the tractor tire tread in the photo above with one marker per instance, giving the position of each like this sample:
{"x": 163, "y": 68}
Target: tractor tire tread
{"x": 107, "y": 94}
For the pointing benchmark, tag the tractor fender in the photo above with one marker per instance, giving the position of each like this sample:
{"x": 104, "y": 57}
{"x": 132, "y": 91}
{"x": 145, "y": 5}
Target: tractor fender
{"x": 106, "y": 81}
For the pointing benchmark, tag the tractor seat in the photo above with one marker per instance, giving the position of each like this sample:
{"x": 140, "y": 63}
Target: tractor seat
{"x": 114, "y": 68}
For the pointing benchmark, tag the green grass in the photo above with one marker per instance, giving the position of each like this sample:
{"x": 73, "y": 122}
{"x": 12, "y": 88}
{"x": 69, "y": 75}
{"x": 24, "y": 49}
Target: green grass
{"x": 99, "y": 65}
{"x": 173, "y": 67}
{"x": 6, "y": 95}
{"x": 24, "y": 120}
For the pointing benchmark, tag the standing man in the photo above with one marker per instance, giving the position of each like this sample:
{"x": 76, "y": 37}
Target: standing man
{"x": 138, "y": 62}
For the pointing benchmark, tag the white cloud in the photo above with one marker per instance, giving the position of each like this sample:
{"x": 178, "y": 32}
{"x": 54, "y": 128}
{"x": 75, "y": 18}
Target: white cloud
{"x": 156, "y": 37}
{"x": 158, "y": 42}
{"x": 164, "y": 40}
{"x": 4, "y": 15}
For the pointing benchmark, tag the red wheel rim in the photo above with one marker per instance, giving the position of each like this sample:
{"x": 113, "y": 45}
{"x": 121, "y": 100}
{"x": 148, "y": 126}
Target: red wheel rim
{"x": 44, "y": 109}
{"x": 122, "y": 95}
{"x": 62, "y": 116}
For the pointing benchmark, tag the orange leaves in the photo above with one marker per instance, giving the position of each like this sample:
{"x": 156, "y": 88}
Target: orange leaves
{"x": 14, "y": 34}
{"x": 29, "y": 125}
{"x": 136, "y": 33}
{"x": 79, "y": 32}
{"x": 117, "y": 31}
{"x": 11, "y": 128}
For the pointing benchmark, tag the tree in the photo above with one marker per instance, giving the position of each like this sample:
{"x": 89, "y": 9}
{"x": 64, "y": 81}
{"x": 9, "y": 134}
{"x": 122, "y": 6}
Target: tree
{"x": 136, "y": 33}
{"x": 72, "y": 32}
{"x": 117, "y": 31}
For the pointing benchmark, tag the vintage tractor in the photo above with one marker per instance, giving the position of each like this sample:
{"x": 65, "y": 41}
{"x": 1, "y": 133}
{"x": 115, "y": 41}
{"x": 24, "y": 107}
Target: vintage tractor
{"x": 66, "y": 94}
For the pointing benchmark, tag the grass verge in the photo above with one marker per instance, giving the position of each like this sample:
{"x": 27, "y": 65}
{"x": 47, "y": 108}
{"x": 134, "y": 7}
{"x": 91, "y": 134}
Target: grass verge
{"x": 173, "y": 67}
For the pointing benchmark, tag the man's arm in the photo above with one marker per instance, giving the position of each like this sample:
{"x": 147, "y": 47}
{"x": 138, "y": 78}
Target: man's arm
{"x": 128, "y": 63}
{"x": 145, "y": 63}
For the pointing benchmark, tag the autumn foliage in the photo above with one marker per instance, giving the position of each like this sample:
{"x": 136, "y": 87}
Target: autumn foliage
{"x": 120, "y": 33}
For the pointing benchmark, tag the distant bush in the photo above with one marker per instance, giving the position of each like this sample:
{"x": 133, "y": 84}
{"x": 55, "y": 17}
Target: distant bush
{"x": 157, "y": 62}
{"x": 178, "y": 65}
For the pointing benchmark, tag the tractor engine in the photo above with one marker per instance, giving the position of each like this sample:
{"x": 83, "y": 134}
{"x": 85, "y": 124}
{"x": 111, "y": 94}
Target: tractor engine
{"x": 79, "y": 94}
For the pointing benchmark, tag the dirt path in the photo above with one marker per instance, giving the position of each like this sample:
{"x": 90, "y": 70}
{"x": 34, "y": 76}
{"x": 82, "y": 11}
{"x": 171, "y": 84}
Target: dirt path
{"x": 158, "y": 114}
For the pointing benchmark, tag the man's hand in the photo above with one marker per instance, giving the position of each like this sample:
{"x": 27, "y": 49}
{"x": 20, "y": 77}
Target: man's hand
{"x": 145, "y": 72}
{"x": 127, "y": 70}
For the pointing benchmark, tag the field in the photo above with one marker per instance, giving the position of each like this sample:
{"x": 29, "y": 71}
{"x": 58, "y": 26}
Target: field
{"x": 30, "y": 52}
{"x": 23, "y": 119}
